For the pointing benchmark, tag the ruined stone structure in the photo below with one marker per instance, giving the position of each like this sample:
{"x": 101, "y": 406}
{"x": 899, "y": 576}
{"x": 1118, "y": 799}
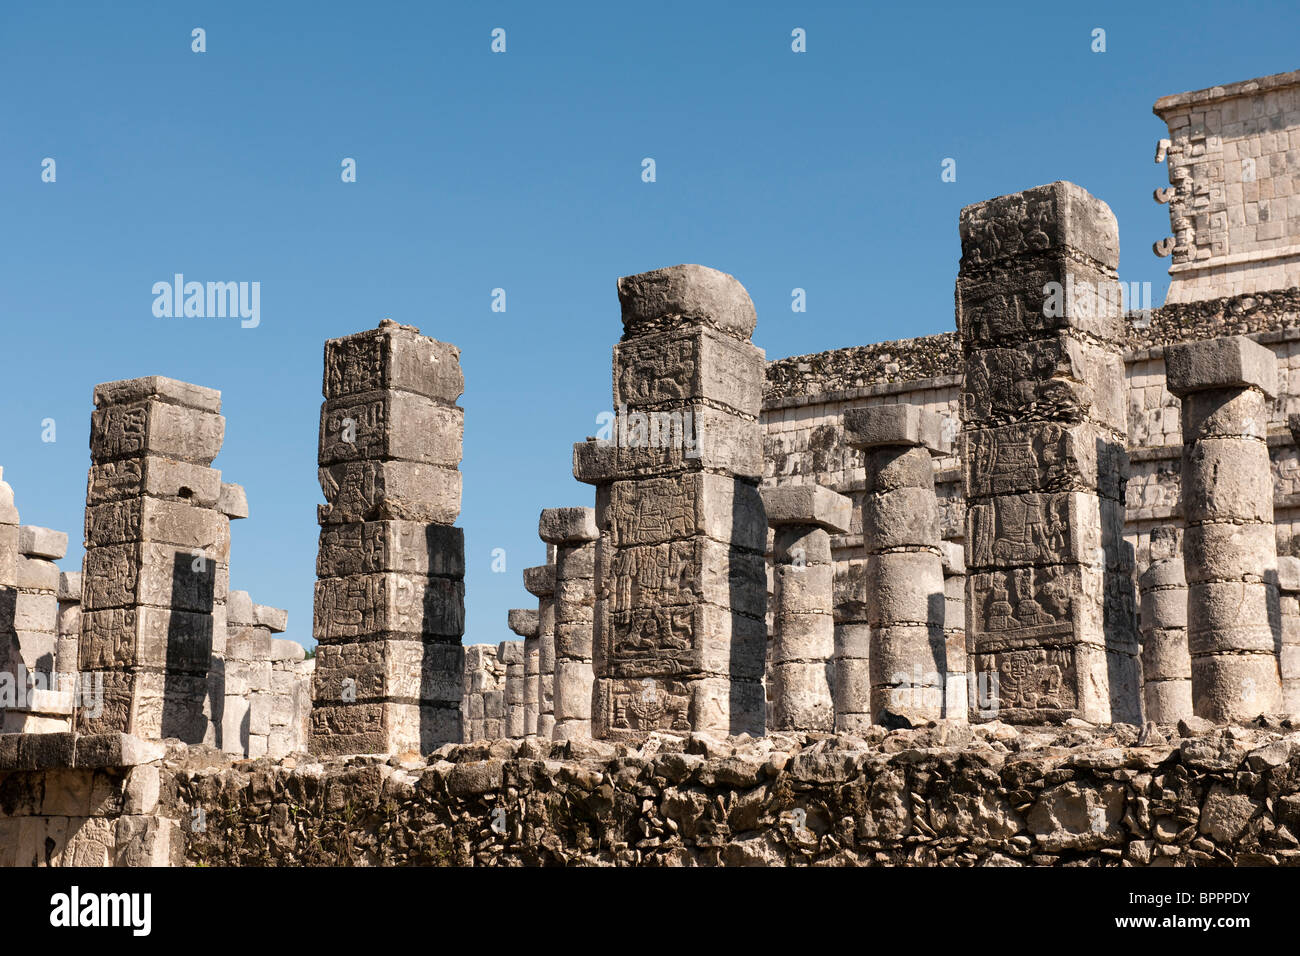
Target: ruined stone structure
{"x": 156, "y": 571}
{"x": 957, "y": 524}
{"x": 1233, "y": 205}
{"x": 1166, "y": 662}
{"x": 574, "y": 534}
{"x": 266, "y": 683}
{"x": 680, "y": 630}
{"x": 390, "y": 605}
{"x": 801, "y": 670}
{"x": 906, "y": 608}
{"x": 1229, "y": 546}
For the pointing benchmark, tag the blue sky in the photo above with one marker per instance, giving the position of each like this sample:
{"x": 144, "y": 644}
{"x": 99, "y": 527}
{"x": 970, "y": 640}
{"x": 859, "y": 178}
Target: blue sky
{"x": 522, "y": 171}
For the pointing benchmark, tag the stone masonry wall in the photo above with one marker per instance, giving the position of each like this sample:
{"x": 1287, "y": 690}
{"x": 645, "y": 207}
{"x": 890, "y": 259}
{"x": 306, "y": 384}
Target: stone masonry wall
{"x": 957, "y": 795}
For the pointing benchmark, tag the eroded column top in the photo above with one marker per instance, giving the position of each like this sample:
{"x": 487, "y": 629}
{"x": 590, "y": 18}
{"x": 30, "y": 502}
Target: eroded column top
{"x": 568, "y": 526}
{"x": 1059, "y": 217}
{"x": 685, "y": 295}
{"x": 523, "y": 621}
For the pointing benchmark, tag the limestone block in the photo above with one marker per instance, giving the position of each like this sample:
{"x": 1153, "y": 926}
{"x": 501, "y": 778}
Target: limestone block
{"x": 663, "y": 370}
{"x": 524, "y": 622}
{"x": 160, "y": 575}
{"x": 813, "y": 505}
{"x": 69, "y": 591}
{"x": 412, "y": 547}
{"x": 155, "y": 427}
{"x": 717, "y": 506}
{"x": 408, "y": 671}
{"x": 382, "y": 425}
{"x": 1230, "y": 362}
{"x": 153, "y": 476}
{"x": 274, "y": 619}
{"x": 363, "y": 607}
{"x": 160, "y": 388}
{"x": 42, "y": 542}
{"x": 399, "y": 490}
{"x": 540, "y": 580}
{"x": 393, "y": 356}
{"x": 161, "y": 521}
{"x": 569, "y": 526}
{"x": 232, "y": 501}
{"x": 874, "y": 426}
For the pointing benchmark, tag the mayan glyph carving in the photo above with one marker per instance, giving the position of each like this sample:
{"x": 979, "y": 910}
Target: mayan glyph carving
{"x": 389, "y": 603}
{"x": 1050, "y": 610}
{"x": 680, "y": 578}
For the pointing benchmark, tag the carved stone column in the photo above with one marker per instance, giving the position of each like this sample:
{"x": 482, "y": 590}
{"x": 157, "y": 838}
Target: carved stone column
{"x": 1229, "y": 548}
{"x": 1166, "y": 665}
{"x": 156, "y": 570}
{"x": 680, "y": 633}
{"x": 574, "y": 533}
{"x": 390, "y": 592}
{"x": 1050, "y": 607}
{"x": 803, "y": 636}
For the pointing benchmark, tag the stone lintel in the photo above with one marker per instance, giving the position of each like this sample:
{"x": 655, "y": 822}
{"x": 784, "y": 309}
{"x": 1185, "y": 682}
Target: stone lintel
{"x": 523, "y": 621}
{"x": 540, "y": 581}
{"x": 568, "y": 526}
{"x": 878, "y": 426}
{"x": 157, "y": 386}
{"x": 813, "y": 505}
{"x": 1233, "y": 361}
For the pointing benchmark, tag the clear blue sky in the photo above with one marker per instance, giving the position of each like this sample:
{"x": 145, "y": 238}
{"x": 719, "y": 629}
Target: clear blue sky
{"x": 522, "y": 170}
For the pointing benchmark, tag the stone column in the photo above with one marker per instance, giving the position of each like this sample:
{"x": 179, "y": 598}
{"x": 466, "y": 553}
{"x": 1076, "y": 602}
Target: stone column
{"x": 1229, "y": 549}
{"x": 1050, "y": 606}
{"x": 851, "y": 671}
{"x": 155, "y": 572}
{"x": 900, "y": 532}
{"x": 523, "y": 621}
{"x": 68, "y": 631}
{"x": 390, "y": 595}
{"x": 1166, "y": 665}
{"x": 957, "y": 690}
{"x": 539, "y": 652}
{"x": 483, "y": 707}
{"x": 680, "y": 633}
{"x": 1288, "y": 584}
{"x": 803, "y": 518}
{"x": 574, "y": 533}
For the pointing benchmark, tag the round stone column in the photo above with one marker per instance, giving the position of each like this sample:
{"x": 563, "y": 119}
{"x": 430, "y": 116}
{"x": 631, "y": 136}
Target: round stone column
{"x": 803, "y": 622}
{"x": 1229, "y": 549}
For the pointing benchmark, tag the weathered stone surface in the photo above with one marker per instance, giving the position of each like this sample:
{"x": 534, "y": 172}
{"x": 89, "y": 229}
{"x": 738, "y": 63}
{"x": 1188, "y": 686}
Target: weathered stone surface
{"x": 685, "y": 295}
{"x": 807, "y": 505}
{"x": 390, "y": 600}
{"x": 875, "y": 426}
{"x": 1050, "y": 610}
{"x": 1233, "y": 362}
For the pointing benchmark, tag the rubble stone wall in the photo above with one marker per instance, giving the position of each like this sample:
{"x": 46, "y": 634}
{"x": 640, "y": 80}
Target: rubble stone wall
{"x": 961, "y": 795}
